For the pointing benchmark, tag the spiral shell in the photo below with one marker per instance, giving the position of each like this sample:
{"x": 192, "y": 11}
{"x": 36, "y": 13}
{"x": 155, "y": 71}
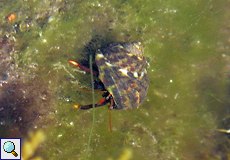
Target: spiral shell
{"x": 122, "y": 70}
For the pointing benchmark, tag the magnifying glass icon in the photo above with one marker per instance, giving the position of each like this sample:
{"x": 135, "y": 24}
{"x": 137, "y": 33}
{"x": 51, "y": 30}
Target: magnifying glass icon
{"x": 9, "y": 147}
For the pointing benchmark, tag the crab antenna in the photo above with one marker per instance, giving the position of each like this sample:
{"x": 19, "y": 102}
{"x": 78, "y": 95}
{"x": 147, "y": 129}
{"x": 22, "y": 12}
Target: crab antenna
{"x": 89, "y": 91}
{"x": 110, "y": 107}
{"x": 110, "y": 122}
{"x": 93, "y": 97}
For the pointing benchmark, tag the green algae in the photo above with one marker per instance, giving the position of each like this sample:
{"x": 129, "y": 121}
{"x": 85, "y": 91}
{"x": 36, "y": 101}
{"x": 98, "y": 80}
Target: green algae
{"x": 187, "y": 96}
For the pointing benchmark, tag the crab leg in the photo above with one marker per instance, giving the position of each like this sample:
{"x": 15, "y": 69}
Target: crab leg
{"x": 102, "y": 102}
{"x": 84, "y": 68}
{"x": 110, "y": 107}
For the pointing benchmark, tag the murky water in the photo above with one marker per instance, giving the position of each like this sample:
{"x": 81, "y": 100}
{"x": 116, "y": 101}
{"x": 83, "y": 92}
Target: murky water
{"x": 186, "y": 44}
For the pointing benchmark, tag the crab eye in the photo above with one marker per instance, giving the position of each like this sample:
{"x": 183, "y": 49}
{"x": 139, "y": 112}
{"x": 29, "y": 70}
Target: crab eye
{"x": 108, "y": 97}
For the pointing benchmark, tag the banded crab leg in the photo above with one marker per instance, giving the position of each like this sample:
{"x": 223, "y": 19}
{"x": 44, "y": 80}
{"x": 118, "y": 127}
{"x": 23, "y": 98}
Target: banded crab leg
{"x": 84, "y": 68}
{"x": 108, "y": 99}
{"x": 101, "y": 102}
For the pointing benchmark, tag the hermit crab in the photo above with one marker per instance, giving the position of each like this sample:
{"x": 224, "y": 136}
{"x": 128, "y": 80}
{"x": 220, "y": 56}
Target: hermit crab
{"x": 122, "y": 71}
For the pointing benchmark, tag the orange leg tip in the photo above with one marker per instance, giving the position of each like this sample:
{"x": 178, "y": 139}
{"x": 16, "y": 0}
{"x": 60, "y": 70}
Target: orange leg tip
{"x": 76, "y": 106}
{"x": 73, "y": 62}
{"x": 11, "y": 17}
